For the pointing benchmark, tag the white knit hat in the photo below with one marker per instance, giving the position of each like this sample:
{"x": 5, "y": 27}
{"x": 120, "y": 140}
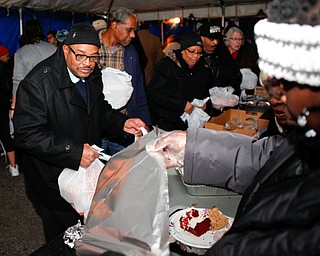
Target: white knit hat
{"x": 289, "y": 50}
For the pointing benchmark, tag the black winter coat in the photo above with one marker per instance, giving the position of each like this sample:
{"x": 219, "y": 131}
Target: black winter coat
{"x": 248, "y": 58}
{"x": 279, "y": 213}
{"x": 5, "y": 87}
{"x": 52, "y": 122}
{"x": 224, "y": 70}
{"x": 172, "y": 85}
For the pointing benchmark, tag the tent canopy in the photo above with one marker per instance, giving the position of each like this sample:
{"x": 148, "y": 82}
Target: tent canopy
{"x": 146, "y": 9}
{"x": 61, "y": 14}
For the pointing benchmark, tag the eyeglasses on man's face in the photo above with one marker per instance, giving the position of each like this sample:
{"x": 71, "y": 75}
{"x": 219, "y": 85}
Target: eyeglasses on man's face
{"x": 193, "y": 52}
{"x": 83, "y": 57}
{"x": 236, "y": 39}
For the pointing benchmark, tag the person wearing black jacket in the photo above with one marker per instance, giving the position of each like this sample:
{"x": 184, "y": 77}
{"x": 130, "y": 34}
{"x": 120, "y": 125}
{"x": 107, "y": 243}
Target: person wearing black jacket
{"x": 60, "y": 113}
{"x": 224, "y": 70}
{"x": 243, "y": 52}
{"x": 178, "y": 80}
{"x": 5, "y": 103}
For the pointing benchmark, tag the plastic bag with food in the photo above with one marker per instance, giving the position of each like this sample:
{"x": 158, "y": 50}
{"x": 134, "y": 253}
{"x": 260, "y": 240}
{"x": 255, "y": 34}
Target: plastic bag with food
{"x": 222, "y": 97}
{"x": 78, "y": 186}
{"x": 198, "y": 117}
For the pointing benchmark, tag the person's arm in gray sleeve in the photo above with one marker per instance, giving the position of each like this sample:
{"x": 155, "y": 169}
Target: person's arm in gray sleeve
{"x": 225, "y": 159}
{"x": 18, "y": 74}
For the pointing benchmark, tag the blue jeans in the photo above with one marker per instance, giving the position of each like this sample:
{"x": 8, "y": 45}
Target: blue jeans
{"x": 111, "y": 148}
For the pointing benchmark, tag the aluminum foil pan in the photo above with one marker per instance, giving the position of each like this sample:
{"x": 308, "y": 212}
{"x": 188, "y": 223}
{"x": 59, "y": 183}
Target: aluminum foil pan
{"x": 202, "y": 190}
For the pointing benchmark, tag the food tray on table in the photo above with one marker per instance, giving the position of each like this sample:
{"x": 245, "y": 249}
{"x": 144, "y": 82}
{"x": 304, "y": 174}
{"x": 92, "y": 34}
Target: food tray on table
{"x": 203, "y": 190}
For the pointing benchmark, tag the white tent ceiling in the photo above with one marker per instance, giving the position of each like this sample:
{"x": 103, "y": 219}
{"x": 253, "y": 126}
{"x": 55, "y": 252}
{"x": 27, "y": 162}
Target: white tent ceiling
{"x": 147, "y": 9}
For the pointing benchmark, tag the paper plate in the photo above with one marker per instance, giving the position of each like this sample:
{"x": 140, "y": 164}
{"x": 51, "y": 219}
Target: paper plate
{"x": 204, "y": 241}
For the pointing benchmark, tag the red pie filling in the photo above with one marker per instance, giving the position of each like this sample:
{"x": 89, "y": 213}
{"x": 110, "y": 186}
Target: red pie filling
{"x": 200, "y": 228}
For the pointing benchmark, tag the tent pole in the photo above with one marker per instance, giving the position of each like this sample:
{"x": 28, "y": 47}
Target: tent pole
{"x": 223, "y": 9}
{"x": 162, "y": 32}
{"x": 20, "y": 21}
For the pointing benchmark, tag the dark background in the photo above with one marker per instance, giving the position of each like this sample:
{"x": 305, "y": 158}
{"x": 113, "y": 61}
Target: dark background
{"x": 21, "y": 230}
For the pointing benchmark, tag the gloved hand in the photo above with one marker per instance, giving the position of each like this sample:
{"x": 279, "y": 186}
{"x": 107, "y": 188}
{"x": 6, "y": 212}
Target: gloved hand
{"x": 173, "y": 145}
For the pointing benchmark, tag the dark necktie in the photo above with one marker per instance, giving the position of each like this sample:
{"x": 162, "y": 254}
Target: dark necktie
{"x": 82, "y": 88}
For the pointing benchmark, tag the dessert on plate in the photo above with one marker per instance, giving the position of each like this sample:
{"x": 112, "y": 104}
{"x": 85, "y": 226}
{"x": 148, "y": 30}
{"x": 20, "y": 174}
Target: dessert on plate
{"x": 198, "y": 222}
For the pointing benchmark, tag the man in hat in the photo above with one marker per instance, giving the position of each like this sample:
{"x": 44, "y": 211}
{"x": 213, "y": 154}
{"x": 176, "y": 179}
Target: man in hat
{"x": 224, "y": 70}
{"x": 60, "y": 114}
{"x": 278, "y": 177}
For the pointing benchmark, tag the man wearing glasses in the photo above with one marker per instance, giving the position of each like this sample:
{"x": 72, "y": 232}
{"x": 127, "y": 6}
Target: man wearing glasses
{"x": 60, "y": 114}
{"x": 224, "y": 70}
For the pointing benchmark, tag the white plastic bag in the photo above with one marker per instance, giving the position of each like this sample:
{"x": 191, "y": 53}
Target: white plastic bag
{"x": 249, "y": 79}
{"x": 117, "y": 87}
{"x": 222, "y": 97}
{"x": 198, "y": 117}
{"x": 78, "y": 187}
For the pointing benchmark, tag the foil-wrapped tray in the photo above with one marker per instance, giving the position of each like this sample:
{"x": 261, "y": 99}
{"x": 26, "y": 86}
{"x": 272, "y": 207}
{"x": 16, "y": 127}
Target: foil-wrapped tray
{"x": 203, "y": 190}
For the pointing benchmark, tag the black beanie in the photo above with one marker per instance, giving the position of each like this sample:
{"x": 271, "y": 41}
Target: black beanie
{"x": 190, "y": 39}
{"x": 82, "y": 33}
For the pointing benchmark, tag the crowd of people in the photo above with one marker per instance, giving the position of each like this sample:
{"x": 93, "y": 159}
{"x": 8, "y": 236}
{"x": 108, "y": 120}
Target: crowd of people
{"x": 55, "y": 98}
{"x": 277, "y": 175}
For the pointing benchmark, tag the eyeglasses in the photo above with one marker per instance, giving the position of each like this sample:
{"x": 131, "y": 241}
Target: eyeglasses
{"x": 83, "y": 57}
{"x": 236, "y": 39}
{"x": 194, "y": 52}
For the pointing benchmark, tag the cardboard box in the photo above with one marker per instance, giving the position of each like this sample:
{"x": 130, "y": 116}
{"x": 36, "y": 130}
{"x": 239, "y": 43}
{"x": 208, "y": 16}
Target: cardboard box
{"x": 247, "y": 118}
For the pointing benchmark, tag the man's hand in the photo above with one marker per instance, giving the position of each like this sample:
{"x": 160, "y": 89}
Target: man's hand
{"x": 133, "y": 126}
{"x": 173, "y": 145}
{"x": 11, "y": 113}
{"x": 88, "y": 155}
{"x": 188, "y": 108}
